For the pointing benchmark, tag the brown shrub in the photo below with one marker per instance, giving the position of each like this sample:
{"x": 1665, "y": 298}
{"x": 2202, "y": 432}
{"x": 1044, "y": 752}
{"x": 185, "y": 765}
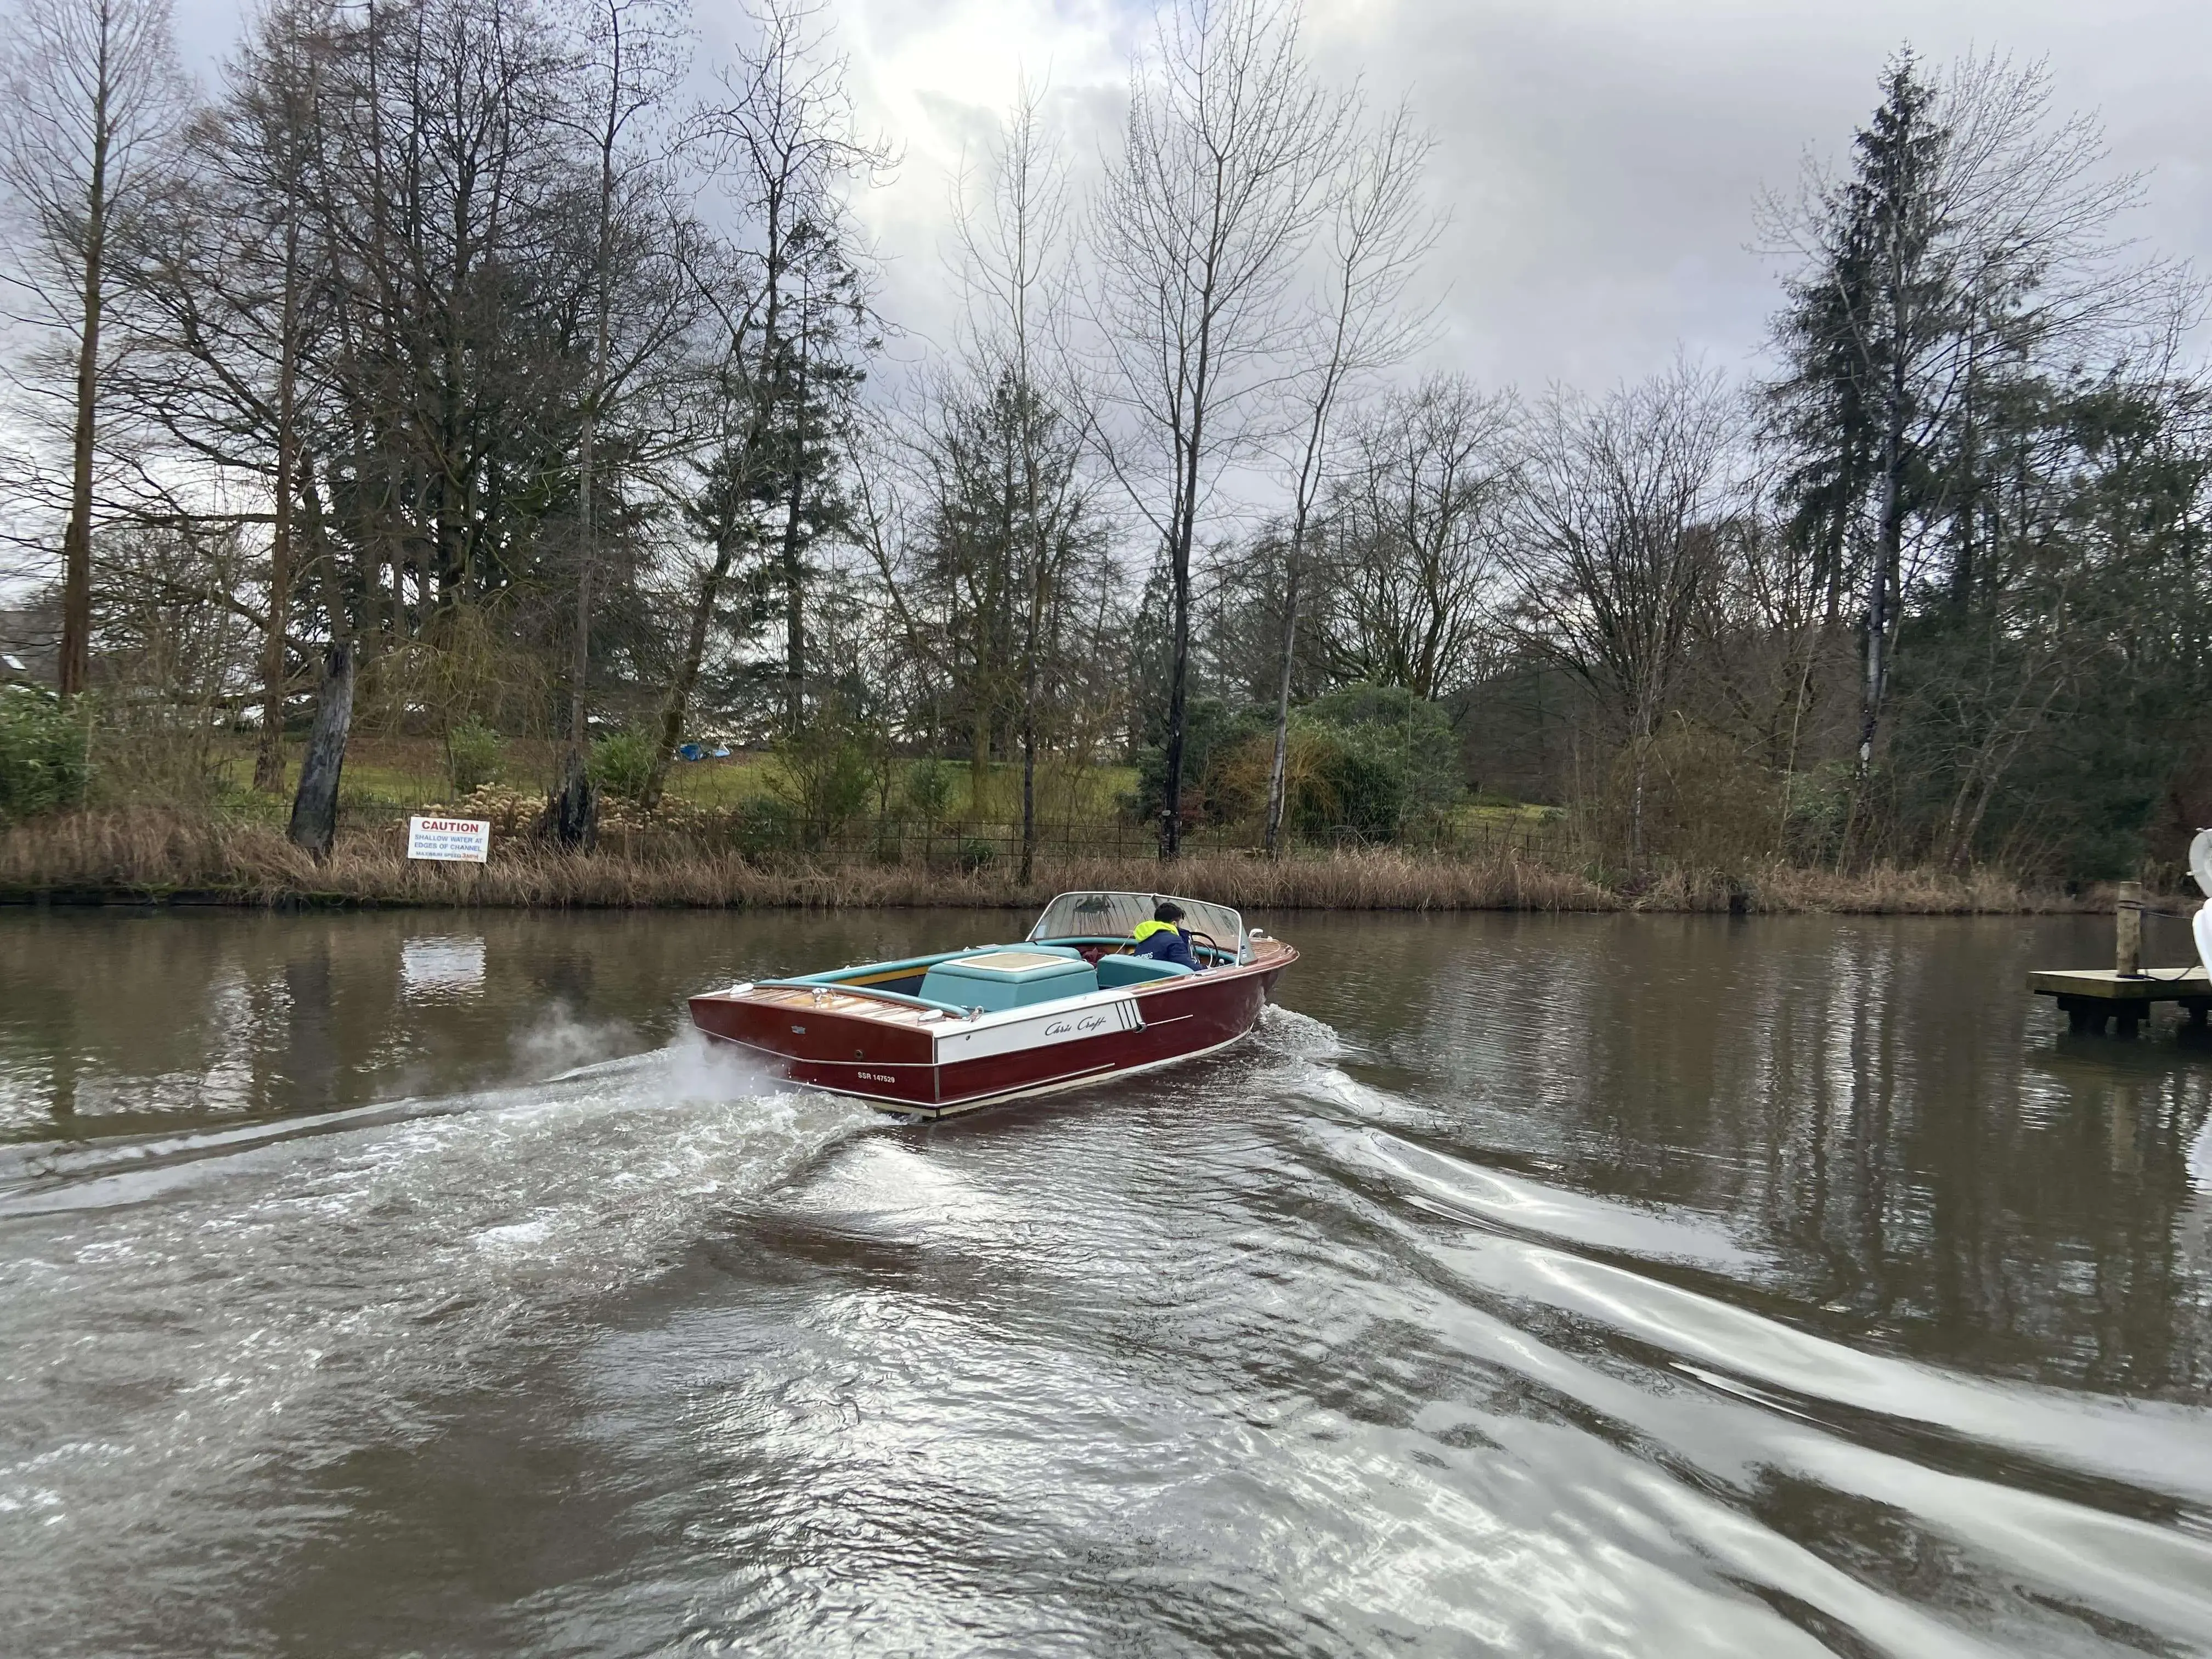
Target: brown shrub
{"x": 1704, "y": 804}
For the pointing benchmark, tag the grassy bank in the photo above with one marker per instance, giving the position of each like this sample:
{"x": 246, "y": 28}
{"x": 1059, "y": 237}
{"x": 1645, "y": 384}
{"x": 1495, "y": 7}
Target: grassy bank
{"x": 151, "y": 854}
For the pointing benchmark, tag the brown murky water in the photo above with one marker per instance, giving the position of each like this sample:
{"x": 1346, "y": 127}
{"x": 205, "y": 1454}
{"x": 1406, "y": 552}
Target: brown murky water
{"x": 414, "y": 1284}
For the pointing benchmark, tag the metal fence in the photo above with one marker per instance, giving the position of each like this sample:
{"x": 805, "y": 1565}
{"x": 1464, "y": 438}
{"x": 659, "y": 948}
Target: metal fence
{"x": 781, "y": 838}
{"x": 979, "y": 846}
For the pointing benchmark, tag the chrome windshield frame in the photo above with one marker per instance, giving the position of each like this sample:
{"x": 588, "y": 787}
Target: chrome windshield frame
{"x": 1108, "y": 909}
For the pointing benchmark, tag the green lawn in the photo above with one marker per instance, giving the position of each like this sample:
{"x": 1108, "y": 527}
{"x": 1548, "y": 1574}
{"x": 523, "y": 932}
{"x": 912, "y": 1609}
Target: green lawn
{"x": 395, "y": 775}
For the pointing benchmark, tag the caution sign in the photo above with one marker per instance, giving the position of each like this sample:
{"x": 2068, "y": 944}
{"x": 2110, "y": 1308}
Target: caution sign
{"x": 454, "y": 841}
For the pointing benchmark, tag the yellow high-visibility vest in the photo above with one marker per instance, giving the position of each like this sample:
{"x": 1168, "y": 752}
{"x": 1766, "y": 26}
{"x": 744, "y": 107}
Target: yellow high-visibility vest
{"x": 1144, "y": 930}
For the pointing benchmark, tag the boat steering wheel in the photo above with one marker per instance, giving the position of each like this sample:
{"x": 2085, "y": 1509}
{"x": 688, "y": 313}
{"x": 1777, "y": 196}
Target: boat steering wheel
{"x": 1197, "y": 937}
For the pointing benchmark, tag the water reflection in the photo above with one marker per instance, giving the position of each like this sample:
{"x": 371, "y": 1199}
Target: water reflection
{"x": 124, "y": 1023}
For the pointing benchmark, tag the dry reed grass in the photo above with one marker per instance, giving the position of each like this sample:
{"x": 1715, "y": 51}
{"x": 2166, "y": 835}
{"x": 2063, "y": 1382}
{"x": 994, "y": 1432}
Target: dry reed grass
{"x": 150, "y": 854}
{"x": 1888, "y": 891}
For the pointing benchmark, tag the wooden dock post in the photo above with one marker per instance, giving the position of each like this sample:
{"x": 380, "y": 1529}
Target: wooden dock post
{"x": 2127, "y": 954}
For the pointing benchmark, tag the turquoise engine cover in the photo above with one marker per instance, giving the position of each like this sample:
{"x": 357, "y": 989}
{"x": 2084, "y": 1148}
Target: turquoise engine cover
{"x": 1015, "y": 977}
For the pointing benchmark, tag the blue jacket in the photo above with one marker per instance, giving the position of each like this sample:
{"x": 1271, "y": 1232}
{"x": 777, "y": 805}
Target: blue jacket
{"x": 1164, "y": 942}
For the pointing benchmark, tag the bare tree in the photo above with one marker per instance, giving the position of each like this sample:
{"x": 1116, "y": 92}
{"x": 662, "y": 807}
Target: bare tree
{"x": 633, "y": 62}
{"x": 1380, "y": 234}
{"x": 294, "y": 116}
{"x": 229, "y": 291}
{"x": 91, "y": 101}
{"x": 1614, "y": 543}
{"x": 1225, "y": 176}
{"x": 1763, "y": 641}
{"x": 1415, "y": 535}
{"x": 721, "y": 509}
{"x": 1014, "y": 245}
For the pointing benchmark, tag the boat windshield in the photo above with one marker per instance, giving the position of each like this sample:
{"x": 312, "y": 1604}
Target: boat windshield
{"x": 1115, "y": 916}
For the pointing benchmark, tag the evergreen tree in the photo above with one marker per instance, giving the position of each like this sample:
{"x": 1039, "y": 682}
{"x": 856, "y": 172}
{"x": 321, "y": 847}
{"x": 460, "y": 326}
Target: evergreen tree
{"x": 1868, "y": 324}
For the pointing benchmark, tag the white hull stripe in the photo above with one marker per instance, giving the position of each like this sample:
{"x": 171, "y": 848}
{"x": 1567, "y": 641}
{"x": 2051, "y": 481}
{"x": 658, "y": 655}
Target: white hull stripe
{"x": 1069, "y": 1022}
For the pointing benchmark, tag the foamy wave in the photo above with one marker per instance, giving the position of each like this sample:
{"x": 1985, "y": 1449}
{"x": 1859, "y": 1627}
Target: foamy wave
{"x": 282, "y": 1282}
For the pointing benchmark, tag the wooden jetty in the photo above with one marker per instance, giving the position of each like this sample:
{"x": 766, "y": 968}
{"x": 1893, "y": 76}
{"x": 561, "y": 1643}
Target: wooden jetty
{"x": 2124, "y": 995}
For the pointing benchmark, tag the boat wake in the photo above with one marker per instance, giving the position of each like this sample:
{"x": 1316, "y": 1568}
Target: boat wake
{"x": 176, "y": 1311}
{"x": 1640, "y": 1382}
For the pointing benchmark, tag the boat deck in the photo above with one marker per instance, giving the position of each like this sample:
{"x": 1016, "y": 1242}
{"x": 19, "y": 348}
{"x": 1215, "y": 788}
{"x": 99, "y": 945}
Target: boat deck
{"x": 859, "y": 1004}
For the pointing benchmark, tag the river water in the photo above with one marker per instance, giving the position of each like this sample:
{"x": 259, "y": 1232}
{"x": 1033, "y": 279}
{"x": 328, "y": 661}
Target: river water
{"x": 416, "y": 1284}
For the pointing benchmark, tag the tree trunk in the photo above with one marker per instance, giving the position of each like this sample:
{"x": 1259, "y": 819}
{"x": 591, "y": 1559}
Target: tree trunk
{"x": 1178, "y": 705}
{"x": 573, "y": 813}
{"x": 1278, "y": 768}
{"x": 73, "y": 670}
{"x": 794, "y": 617}
{"x": 1968, "y": 501}
{"x": 575, "y": 809}
{"x": 1182, "y": 531}
{"x": 1185, "y": 531}
{"x": 1879, "y": 601}
{"x": 1030, "y": 702}
{"x": 794, "y": 583}
{"x": 1636, "y": 808}
{"x": 1889, "y": 545}
{"x": 1029, "y": 790}
{"x": 579, "y": 635}
{"x": 687, "y": 670}
{"x": 315, "y": 808}
{"x": 269, "y": 759}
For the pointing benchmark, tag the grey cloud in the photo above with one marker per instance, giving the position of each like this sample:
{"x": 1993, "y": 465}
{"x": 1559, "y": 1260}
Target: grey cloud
{"x": 1599, "y": 161}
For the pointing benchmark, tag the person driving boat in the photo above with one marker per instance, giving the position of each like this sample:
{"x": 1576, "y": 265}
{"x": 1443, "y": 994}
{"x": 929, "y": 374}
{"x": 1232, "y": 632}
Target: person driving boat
{"x": 1161, "y": 940}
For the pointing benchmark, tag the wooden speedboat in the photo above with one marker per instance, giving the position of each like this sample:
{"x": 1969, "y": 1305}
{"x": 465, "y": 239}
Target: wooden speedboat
{"x": 931, "y": 1036}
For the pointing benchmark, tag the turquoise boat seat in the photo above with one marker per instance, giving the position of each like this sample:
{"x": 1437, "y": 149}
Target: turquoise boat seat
{"x": 1114, "y": 971}
{"x": 1014, "y": 977}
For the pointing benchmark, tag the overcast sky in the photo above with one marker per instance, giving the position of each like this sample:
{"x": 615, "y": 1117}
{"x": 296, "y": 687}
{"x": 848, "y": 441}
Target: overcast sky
{"x": 1598, "y": 158}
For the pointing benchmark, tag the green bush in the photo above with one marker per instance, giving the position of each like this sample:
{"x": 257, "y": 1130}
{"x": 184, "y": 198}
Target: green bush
{"x": 41, "y": 755}
{"x": 1371, "y": 761}
{"x": 472, "y": 756}
{"x": 1393, "y": 731}
{"x": 825, "y": 775}
{"x": 761, "y": 826}
{"x": 1211, "y": 731}
{"x": 1818, "y": 804}
{"x": 1366, "y": 781}
{"x": 929, "y": 786}
{"x": 622, "y": 765}
{"x": 1374, "y": 760}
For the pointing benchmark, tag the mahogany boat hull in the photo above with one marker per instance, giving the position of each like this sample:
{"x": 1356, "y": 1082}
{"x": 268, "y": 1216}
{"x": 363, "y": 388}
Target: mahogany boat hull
{"x": 841, "y": 1044}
